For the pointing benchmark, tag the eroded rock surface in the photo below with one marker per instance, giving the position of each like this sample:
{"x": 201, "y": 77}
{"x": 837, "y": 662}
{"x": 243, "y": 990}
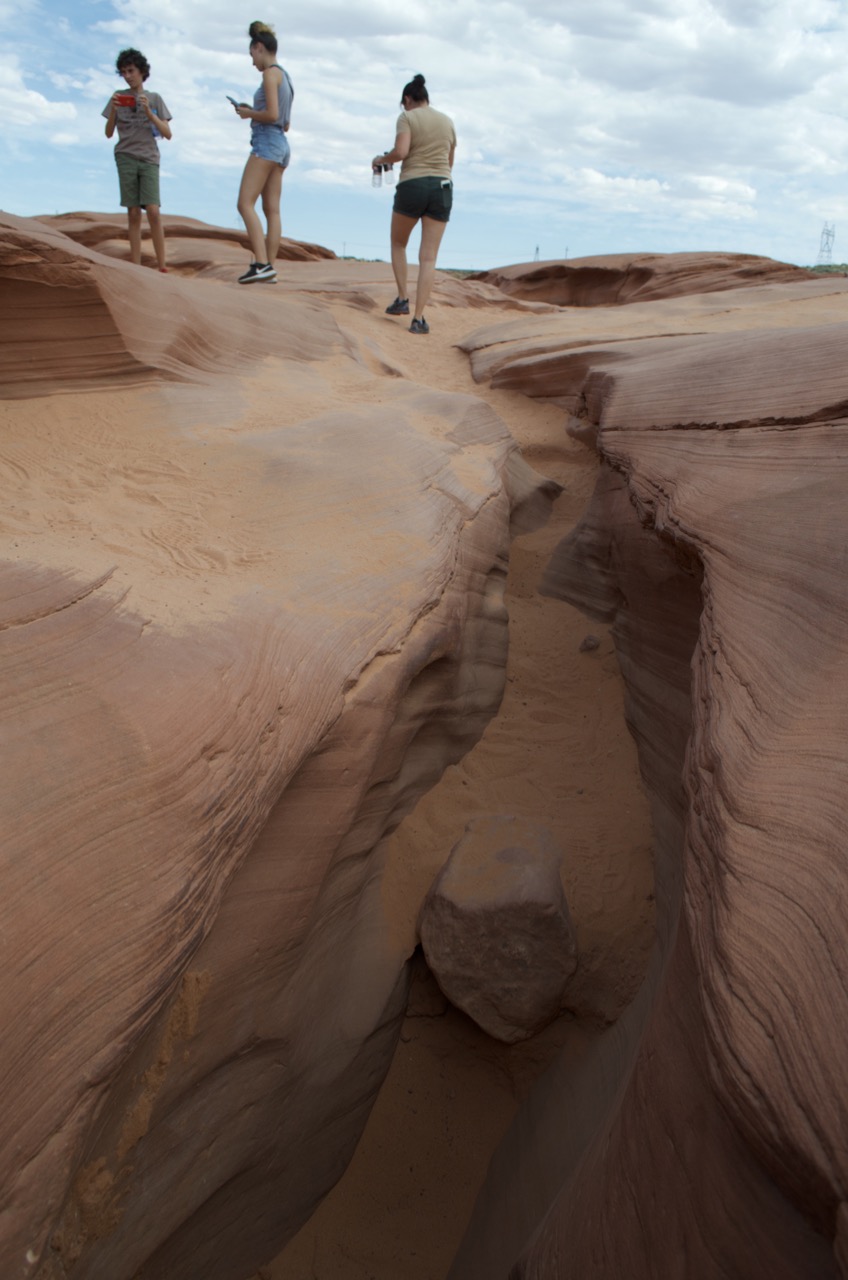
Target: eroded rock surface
{"x": 250, "y": 607}
{"x": 107, "y": 232}
{"x": 612, "y": 279}
{"x": 496, "y": 929}
{"x": 707, "y": 1136}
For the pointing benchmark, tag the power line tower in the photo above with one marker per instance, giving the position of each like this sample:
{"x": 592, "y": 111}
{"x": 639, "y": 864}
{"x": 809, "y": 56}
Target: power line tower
{"x": 828, "y": 236}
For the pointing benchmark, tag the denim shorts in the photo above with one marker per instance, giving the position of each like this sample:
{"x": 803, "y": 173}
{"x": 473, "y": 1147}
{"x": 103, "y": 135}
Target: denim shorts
{"x": 139, "y": 181}
{"x": 424, "y": 198}
{"x": 268, "y": 142}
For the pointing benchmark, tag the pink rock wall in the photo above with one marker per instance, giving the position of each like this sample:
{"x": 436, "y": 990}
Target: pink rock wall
{"x": 613, "y": 279}
{"x": 240, "y": 633}
{"x": 708, "y": 1135}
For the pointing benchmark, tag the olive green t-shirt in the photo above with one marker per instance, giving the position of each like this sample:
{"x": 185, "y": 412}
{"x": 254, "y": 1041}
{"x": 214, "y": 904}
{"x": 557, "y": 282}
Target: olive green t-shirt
{"x": 433, "y": 135}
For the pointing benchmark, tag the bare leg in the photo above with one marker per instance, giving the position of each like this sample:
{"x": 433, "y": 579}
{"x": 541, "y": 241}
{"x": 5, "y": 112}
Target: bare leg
{"x": 402, "y": 228}
{"x": 157, "y": 234}
{"x": 271, "y": 208}
{"x": 134, "y": 224}
{"x": 431, "y": 237}
{"x": 253, "y": 180}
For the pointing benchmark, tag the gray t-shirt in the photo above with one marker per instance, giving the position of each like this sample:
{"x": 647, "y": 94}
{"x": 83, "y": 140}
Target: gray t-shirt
{"x": 135, "y": 132}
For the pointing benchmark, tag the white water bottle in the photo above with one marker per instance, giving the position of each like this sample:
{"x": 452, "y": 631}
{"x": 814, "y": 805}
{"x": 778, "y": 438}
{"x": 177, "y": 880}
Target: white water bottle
{"x": 390, "y": 176}
{"x": 377, "y": 177}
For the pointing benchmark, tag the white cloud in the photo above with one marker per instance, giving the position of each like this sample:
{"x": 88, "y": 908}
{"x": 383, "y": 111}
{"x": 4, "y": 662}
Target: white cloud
{"x": 22, "y": 108}
{"x": 605, "y": 119}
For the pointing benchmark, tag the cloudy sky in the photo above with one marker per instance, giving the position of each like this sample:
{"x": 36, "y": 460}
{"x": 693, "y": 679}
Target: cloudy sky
{"x": 584, "y": 126}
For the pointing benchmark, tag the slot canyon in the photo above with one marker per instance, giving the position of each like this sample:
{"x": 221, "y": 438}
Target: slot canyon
{"x": 295, "y": 611}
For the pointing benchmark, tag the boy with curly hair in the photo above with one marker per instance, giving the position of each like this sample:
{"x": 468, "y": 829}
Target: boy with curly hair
{"x": 140, "y": 117}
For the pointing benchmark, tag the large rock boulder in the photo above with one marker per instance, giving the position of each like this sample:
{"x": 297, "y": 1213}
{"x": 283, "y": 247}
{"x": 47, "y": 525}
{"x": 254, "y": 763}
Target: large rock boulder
{"x": 496, "y": 929}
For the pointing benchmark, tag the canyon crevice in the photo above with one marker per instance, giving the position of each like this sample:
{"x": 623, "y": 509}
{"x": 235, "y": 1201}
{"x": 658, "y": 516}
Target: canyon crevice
{"x": 251, "y": 610}
{"x": 705, "y": 1135}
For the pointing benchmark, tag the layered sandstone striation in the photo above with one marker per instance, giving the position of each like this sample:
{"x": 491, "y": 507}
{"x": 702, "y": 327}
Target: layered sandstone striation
{"x": 706, "y": 1135}
{"x": 615, "y": 278}
{"x": 251, "y": 607}
{"x": 185, "y": 237}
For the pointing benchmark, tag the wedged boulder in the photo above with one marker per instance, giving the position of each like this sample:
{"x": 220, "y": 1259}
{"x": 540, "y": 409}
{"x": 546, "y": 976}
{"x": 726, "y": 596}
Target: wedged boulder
{"x": 496, "y": 929}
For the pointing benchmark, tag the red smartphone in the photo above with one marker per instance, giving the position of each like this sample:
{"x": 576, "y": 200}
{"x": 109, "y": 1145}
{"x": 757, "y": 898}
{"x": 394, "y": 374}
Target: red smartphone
{"x": 126, "y": 99}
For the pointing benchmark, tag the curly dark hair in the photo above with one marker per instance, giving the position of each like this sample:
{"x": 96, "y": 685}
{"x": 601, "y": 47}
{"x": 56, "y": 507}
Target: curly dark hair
{"x": 132, "y": 58}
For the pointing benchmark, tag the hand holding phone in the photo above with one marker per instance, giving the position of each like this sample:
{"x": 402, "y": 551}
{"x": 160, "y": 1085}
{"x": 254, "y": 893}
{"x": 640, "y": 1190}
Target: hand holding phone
{"x": 233, "y": 101}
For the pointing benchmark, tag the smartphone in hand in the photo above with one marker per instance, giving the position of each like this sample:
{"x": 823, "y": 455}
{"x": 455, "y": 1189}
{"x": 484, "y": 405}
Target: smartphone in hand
{"x": 233, "y": 101}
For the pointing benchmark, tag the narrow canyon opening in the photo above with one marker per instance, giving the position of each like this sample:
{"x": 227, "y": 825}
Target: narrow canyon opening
{"x": 559, "y": 751}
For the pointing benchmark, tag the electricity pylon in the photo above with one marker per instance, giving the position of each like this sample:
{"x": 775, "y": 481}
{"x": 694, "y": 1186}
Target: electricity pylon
{"x": 827, "y": 237}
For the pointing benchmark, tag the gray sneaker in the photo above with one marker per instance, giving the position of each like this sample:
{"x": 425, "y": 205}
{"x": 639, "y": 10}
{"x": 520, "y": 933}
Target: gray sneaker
{"x": 419, "y": 326}
{"x": 400, "y": 307}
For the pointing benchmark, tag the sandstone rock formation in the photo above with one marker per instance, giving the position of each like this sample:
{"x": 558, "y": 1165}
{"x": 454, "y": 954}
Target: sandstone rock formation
{"x": 251, "y": 606}
{"x": 72, "y": 319}
{"x": 496, "y": 929}
{"x": 612, "y": 279}
{"x": 108, "y": 233}
{"x": 707, "y": 1134}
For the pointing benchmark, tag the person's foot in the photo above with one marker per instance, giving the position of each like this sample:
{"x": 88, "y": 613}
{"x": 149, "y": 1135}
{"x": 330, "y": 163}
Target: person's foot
{"x": 419, "y": 326}
{"x": 400, "y": 307}
{"x": 258, "y": 271}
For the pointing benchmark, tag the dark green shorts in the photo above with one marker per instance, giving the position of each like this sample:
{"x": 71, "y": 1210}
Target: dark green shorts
{"x": 424, "y": 198}
{"x": 139, "y": 181}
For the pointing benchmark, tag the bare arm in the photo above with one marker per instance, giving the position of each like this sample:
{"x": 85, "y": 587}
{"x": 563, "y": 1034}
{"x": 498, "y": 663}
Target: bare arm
{"x": 162, "y": 125}
{"x": 399, "y": 151}
{"x": 112, "y": 118}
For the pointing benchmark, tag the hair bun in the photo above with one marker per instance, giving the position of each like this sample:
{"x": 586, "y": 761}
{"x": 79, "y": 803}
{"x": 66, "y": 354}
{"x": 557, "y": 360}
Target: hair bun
{"x": 419, "y": 79}
{"x": 260, "y": 28}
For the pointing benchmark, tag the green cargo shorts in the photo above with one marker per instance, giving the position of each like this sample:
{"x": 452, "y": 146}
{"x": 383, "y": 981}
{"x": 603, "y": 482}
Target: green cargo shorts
{"x": 139, "y": 181}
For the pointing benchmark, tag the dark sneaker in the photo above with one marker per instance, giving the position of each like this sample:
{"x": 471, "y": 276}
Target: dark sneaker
{"x": 258, "y": 271}
{"x": 419, "y": 326}
{"x": 400, "y": 307}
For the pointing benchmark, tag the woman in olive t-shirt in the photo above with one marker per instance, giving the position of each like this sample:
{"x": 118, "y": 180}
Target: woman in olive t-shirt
{"x": 425, "y": 142}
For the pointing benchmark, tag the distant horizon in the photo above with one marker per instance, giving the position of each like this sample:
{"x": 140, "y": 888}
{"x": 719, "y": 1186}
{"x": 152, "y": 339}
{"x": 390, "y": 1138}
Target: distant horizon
{"x": 119, "y": 216}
